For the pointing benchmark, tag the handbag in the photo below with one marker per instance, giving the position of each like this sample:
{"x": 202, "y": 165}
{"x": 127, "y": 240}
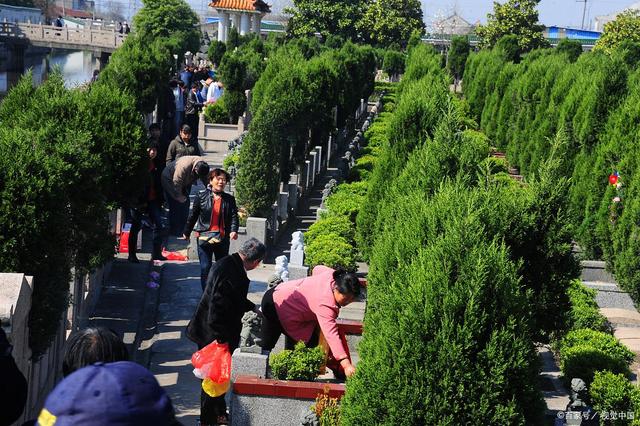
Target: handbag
{"x": 209, "y": 237}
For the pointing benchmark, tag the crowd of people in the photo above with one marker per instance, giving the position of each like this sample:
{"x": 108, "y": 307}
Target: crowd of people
{"x": 175, "y": 160}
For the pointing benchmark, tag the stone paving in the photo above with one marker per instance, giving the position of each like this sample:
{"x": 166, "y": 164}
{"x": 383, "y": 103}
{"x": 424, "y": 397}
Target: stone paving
{"x": 617, "y": 306}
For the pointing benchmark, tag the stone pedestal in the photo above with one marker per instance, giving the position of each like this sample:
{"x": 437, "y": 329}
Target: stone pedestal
{"x": 296, "y": 257}
{"x": 297, "y": 271}
{"x": 245, "y": 362}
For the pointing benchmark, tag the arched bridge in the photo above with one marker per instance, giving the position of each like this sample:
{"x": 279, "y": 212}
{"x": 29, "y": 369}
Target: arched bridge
{"x": 84, "y": 38}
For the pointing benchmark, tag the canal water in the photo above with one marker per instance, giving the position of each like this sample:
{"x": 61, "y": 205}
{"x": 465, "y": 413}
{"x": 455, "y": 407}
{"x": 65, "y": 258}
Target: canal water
{"x": 76, "y": 66}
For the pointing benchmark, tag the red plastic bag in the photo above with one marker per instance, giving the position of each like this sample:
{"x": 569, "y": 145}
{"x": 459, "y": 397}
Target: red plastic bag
{"x": 174, "y": 255}
{"x": 213, "y": 362}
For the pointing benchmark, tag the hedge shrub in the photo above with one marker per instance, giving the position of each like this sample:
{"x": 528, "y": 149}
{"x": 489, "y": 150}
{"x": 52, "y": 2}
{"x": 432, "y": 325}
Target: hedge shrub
{"x": 611, "y": 392}
{"x": 584, "y": 311}
{"x": 585, "y": 351}
{"x": 331, "y": 250}
{"x": 54, "y": 206}
{"x": 340, "y": 225}
{"x": 301, "y": 363}
{"x": 593, "y": 99}
{"x": 444, "y": 339}
{"x": 347, "y": 199}
{"x": 293, "y": 97}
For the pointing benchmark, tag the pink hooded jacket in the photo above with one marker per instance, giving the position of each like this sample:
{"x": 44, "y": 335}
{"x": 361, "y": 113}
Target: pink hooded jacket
{"x": 303, "y": 303}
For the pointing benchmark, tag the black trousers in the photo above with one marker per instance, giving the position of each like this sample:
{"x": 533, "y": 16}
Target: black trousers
{"x": 212, "y": 407}
{"x": 272, "y": 328}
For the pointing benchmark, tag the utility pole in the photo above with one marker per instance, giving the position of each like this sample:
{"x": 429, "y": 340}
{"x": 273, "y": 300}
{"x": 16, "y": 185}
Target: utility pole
{"x": 584, "y": 11}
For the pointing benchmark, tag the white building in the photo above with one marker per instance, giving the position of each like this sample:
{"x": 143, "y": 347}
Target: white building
{"x": 453, "y": 24}
{"x": 601, "y": 21}
{"x": 244, "y": 15}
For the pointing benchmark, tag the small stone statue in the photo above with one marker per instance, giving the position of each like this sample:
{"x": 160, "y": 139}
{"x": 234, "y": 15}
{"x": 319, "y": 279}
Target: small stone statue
{"x": 578, "y": 412}
{"x": 250, "y": 334}
{"x": 273, "y": 281}
{"x": 282, "y": 268}
{"x": 297, "y": 241}
{"x": 297, "y": 249}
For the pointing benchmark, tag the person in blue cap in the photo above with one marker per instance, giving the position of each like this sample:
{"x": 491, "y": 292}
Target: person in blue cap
{"x": 120, "y": 393}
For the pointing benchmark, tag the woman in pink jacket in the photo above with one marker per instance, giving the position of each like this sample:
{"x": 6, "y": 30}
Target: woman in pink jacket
{"x": 297, "y": 307}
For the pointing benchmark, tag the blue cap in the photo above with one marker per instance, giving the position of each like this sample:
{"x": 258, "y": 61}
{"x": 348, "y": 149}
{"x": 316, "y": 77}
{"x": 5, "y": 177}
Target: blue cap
{"x": 119, "y": 393}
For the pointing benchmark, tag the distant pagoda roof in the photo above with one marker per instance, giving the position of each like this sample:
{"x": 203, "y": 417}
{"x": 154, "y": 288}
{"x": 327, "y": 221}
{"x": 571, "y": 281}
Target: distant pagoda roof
{"x": 246, "y": 5}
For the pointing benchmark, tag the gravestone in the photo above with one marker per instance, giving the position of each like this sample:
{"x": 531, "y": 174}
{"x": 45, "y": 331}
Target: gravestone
{"x": 320, "y": 161}
{"x": 292, "y": 199}
{"x": 314, "y": 166}
{"x": 329, "y": 144}
{"x": 283, "y": 205}
{"x": 307, "y": 173}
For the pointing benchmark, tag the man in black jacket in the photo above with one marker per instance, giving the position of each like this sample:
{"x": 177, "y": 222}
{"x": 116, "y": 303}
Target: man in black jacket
{"x": 191, "y": 111}
{"x": 219, "y": 313}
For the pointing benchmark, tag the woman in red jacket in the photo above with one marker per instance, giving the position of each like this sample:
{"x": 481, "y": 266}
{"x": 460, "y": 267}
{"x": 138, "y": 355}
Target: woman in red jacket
{"x": 297, "y": 307}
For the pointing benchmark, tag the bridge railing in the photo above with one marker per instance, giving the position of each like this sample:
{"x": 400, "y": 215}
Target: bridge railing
{"x": 83, "y": 36}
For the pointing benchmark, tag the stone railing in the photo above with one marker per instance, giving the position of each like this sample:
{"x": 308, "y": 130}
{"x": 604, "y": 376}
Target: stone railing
{"x": 63, "y": 37}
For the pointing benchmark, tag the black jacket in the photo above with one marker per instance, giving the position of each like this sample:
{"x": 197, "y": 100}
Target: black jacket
{"x": 177, "y": 149}
{"x": 201, "y": 213}
{"x": 193, "y": 106}
{"x": 223, "y": 303}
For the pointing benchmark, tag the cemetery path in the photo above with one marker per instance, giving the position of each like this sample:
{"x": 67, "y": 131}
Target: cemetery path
{"x": 617, "y": 306}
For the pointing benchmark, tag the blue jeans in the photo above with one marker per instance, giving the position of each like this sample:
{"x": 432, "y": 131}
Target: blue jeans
{"x": 206, "y": 252}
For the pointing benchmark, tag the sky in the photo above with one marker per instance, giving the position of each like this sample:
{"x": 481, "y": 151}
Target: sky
{"x": 566, "y": 13}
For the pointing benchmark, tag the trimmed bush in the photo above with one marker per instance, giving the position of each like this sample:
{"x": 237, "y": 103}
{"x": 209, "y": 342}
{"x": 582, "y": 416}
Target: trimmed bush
{"x": 340, "y": 225}
{"x": 585, "y": 351}
{"x": 301, "y": 363}
{"x": 331, "y": 250}
{"x": 347, "y": 199}
{"x": 584, "y": 311}
{"x": 217, "y": 112}
{"x": 611, "y": 392}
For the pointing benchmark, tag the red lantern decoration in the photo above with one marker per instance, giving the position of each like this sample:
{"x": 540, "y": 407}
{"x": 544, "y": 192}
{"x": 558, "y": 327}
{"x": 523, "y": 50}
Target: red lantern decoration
{"x": 613, "y": 179}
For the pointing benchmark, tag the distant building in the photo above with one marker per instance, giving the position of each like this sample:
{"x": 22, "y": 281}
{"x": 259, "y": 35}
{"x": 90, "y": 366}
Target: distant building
{"x": 601, "y": 21}
{"x": 553, "y": 33}
{"x": 74, "y": 8}
{"x": 244, "y": 15}
{"x": 20, "y": 14}
{"x": 453, "y": 25}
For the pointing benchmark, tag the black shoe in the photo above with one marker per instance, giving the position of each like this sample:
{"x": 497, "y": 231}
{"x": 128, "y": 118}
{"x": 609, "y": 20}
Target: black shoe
{"x": 133, "y": 258}
{"x": 157, "y": 254}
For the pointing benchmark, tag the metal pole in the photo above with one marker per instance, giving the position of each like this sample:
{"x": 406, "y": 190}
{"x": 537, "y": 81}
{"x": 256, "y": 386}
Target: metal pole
{"x": 584, "y": 12}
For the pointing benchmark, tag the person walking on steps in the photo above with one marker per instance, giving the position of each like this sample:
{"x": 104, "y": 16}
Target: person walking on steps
{"x": 215, "y": 217}
{"x": 150, "y": 203}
